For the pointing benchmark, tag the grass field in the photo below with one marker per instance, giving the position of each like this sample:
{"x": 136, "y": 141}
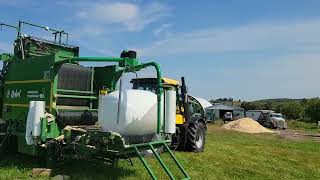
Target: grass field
{"x": 228, "y": 155}
{"x": 302, "y": 126}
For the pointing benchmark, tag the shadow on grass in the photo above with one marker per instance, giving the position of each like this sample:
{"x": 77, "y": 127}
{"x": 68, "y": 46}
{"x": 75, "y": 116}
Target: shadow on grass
{"x": 76, "y": 169}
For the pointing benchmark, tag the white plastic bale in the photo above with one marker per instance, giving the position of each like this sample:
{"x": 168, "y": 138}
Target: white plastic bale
{"x": 29, "y": 125}
{"x": 39, "y": 110}
{"x": 137, "y": 116}
{"x": 170, "y": 111}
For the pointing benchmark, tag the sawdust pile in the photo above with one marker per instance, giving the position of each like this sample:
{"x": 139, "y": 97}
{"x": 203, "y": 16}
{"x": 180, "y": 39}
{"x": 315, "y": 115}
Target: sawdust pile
{"x": 246, "y": 125}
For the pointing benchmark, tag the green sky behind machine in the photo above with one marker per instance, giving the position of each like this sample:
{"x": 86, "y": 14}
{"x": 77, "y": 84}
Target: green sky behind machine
{"x": 41, "y": 70}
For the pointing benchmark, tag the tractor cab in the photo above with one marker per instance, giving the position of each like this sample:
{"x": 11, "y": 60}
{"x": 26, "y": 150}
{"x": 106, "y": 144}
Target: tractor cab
{"x": 150, "y": 84}
{"x": 190, "y": 115}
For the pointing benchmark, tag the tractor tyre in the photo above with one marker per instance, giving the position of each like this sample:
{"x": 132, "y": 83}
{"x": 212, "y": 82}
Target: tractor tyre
{"x": 196, "y": 137}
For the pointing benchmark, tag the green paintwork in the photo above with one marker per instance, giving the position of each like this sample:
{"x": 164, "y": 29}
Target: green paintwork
{"x": 24, "y": 148}
{"x": 159, "y": 91}
{"x": 33, "y": 48}
{"x": 66, "y": 91}
{"x": 107, "y": 82}
{"x": 36, "y": 78}
{"x": 75, "y": 96}
{"x": 26, "y": 80}
{"x": 49, "y": 130}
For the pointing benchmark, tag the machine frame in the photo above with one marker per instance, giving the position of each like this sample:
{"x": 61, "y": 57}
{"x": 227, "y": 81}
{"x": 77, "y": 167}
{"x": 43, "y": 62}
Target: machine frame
{"x": 32, "y": 74}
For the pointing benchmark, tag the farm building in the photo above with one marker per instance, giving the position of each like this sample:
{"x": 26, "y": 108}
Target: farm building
{"x": 218, "y": 110}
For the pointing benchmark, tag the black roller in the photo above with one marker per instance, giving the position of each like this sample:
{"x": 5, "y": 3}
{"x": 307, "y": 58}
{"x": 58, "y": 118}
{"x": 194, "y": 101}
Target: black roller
{"x": 77, "y": 118}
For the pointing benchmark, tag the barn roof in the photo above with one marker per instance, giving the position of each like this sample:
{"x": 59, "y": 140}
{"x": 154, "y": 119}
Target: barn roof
{"x": 222, "y": 106}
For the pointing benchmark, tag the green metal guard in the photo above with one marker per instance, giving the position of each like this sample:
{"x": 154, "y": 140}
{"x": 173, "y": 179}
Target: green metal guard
{"x": 152, "y": 146}
{"x": 145, "y": 164}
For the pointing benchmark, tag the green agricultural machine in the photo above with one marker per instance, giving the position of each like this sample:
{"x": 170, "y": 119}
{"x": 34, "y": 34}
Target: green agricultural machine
{"x": 49, "y": 71}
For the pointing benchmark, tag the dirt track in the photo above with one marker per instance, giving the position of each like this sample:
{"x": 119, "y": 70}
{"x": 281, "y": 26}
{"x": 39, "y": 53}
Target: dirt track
{"x": 296, "y": 135}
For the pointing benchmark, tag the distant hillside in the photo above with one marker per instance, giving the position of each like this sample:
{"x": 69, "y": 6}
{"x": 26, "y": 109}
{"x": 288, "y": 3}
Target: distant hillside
{"x": 278, "y": 100}
{"x": 273, "y": 104}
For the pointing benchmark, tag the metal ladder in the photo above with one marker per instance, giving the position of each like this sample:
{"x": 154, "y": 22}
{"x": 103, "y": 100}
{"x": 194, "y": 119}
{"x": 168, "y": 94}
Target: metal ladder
{"x": 151, "y": 146}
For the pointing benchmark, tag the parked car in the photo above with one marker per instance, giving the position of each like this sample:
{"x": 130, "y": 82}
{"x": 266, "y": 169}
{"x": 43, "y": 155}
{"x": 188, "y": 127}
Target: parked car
{"x": 227, "y": 117}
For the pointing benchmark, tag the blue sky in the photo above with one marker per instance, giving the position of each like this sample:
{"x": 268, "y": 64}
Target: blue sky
{"x": 244, "y": 49}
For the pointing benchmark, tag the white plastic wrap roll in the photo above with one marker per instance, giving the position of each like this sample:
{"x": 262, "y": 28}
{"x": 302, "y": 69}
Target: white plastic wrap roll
{"x": 137, "y": 116}
{"x": 39, "y": 110}
{"x": 29, "y": 125}
{"x": 170, "y": 111}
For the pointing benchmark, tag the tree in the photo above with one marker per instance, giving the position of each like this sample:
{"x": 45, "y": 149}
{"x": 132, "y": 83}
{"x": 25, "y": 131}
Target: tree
{"x": 230, "y": 99}
{"x": 250, "y": 105}
{"x": 222, "y": 100}
{"x": 268, "y": 105}
{"x": 312, "y": 109}
{"x": 292, "y": 110}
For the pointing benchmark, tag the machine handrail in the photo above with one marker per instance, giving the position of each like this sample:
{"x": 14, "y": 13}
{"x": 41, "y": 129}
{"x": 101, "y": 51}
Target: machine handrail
{"x": 134, "y": 66}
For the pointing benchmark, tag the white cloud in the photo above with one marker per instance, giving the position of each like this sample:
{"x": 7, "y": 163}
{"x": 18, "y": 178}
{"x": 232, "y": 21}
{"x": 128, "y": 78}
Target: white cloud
{"x": 251, "y": 37}
{"x": 91, "y": 30}
{"x": 129, "y": 16}
{"x": 163, "y": 28}
{"x": 112, "y": 13}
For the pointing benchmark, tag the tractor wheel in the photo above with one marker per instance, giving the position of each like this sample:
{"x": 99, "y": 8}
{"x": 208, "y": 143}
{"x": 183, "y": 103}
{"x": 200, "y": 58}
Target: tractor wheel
{"x": 196, "y": 137}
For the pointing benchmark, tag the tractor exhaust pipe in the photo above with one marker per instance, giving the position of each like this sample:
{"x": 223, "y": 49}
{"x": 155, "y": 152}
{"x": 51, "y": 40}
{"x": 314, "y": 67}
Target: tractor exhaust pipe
{"x": 185, "y": 101}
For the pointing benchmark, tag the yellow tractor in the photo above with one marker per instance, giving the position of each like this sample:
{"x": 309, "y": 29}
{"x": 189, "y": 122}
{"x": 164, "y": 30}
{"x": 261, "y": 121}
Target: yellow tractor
{"x": 190, "y": 115}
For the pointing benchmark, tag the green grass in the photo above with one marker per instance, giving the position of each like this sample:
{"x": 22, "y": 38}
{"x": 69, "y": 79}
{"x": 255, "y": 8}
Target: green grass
{"x": 228, "y": 155}
{"x": 303, "y": 126}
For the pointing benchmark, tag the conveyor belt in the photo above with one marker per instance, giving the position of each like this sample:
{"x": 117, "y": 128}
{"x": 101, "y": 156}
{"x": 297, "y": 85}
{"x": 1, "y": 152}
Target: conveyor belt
{"x": 74, "y": 77}
{"x": 78, "y": 78}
